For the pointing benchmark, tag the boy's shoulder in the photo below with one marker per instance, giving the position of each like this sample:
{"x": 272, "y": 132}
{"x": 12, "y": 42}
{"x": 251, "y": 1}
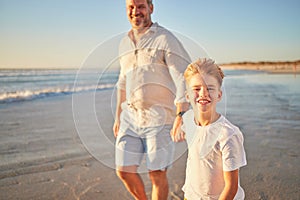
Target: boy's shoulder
{"x": 188, "y": 114}
{"x": 229, "y": 128}
{"x": 188, "y": 118}
{"x": 188, "y": 125}
{"x": 229, "y": 132}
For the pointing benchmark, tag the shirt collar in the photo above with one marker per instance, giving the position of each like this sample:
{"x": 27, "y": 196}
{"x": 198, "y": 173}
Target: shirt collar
{"x": 153, "y": 28}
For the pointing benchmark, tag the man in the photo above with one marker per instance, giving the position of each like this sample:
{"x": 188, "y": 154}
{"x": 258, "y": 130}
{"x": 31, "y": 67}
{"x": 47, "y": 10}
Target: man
{"x": 151, "y": 80}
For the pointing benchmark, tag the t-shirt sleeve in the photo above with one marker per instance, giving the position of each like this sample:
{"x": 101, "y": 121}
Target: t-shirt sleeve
{"x": 233, "y": 153}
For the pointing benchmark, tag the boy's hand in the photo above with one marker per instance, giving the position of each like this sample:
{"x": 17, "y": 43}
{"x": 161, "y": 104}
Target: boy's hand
{"x": 176, "y": 133}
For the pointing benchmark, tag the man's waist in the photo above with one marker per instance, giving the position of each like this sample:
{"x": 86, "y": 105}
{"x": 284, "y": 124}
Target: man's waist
{"x": 150, "y": 115}
{"x": 150, "y": 105}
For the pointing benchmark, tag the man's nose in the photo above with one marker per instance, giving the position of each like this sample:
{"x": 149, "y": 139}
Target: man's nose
{"x": 135, "y": 10}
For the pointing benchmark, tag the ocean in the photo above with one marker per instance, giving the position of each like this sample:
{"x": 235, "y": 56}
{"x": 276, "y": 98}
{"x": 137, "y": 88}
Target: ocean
{"x": 29, "y": 84}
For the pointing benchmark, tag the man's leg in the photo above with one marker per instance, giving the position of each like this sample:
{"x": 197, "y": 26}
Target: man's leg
{"x": 132, "y": 181}
{"x": 160, "y": 151}
{"x": 129, "y": 153}
{"x": 160, "y": 187}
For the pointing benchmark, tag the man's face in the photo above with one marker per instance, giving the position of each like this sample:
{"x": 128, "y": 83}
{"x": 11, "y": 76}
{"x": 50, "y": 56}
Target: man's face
{"x": 139, "y": 13}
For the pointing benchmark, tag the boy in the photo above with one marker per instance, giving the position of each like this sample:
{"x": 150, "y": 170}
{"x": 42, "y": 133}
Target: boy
{"x": 215, "y": 145}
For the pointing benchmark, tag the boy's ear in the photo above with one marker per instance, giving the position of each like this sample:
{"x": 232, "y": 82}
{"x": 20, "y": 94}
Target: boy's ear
{"x": 220, "y": 93}
{"x": 187, "y": 96}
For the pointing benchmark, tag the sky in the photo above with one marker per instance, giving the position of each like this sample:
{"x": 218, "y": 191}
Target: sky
{"x": 62, "y": 33}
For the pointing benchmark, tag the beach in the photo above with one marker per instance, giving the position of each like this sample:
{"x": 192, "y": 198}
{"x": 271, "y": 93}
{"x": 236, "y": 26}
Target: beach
{"x": 61, "y": 147}
{"x": 275, "y": 67}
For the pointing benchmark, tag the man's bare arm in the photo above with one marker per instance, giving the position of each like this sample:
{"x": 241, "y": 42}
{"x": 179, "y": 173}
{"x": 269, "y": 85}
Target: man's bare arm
{"x": 121, "y": 97}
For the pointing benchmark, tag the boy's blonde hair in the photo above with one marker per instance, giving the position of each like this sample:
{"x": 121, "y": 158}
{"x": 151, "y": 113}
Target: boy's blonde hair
{"x": 204, "y": 66}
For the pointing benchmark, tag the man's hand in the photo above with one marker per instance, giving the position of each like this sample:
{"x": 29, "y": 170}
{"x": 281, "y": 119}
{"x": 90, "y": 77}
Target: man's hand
{"x": 121, "y": 96}
{"x": 176, "y": 133}
{"x": 116, "y": 127}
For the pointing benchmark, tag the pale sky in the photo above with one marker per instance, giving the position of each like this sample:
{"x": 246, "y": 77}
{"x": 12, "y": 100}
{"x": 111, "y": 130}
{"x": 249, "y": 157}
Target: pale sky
{"x": 62, "y": 33}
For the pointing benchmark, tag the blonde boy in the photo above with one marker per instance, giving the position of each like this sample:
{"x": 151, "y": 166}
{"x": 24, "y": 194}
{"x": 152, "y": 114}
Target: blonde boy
{"x": 215, "y": 145}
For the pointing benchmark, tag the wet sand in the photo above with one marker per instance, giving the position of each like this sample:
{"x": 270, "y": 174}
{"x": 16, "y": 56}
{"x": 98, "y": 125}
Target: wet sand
{"x": 43, "y": 157}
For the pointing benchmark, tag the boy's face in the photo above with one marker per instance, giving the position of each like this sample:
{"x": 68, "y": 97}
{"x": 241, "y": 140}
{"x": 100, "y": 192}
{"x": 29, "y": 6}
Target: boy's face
{"x": 203, "y": 92}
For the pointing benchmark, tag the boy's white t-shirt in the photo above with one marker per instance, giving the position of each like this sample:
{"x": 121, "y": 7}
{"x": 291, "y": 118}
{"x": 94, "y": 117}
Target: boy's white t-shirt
{"x": 212, "y": 149}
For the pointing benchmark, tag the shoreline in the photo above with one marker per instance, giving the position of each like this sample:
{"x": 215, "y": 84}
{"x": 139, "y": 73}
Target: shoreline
{"x": 292, "y": 67}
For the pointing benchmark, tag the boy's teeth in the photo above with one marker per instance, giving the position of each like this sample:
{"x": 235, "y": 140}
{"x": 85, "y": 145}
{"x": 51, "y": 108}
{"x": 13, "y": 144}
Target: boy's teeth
{"x": 203, "y": 101}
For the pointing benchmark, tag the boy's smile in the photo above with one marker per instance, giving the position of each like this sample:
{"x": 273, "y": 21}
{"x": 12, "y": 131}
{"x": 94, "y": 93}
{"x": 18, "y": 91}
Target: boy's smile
{"x": 204, "y": 102}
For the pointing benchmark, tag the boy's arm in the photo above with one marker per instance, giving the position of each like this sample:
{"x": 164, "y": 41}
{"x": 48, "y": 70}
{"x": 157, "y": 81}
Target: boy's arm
{"x": 231, "y": 179}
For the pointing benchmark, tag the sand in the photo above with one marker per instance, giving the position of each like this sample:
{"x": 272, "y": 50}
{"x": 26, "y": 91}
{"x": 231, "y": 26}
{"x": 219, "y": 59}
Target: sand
{"x": 43, "y": 157}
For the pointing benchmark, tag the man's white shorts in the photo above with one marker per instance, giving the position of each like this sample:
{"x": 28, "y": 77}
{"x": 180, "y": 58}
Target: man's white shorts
{"x": 155, "y": 143}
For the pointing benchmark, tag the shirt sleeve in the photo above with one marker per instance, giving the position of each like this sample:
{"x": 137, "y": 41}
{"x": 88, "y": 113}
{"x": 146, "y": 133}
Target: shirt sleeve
{"x": 177, "y": 59}
{"x": 233, "y": 153}
{"x": 121, "y": 84}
